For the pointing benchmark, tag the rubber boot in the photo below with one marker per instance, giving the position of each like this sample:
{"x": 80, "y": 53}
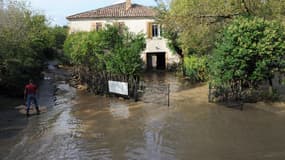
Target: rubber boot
{"x": 27, "y": 113}
{"x": 38, "y": 110}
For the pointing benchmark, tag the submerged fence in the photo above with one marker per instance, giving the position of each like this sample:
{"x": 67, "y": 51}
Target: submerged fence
{"x": 97, "y": 82}
{"x": 148, "y": 92}
{"x": 157, "y": 93}
{"x": 225, "y": 96}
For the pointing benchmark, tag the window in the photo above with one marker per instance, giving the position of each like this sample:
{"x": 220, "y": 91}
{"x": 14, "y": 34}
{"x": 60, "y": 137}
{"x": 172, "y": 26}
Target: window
{"x": 121, "y": 25}
{"x": 153, "y": 30}
{"x": 96, "y": 26}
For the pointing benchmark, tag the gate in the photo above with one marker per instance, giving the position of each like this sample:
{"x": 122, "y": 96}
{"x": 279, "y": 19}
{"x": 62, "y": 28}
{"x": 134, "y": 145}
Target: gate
{"x": 158, "y": 93}
{"x": 224, "y": 96}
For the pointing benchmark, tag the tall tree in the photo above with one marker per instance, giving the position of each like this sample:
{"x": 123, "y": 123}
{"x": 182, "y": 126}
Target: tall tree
{"x": 192, "y": 24}
{"x": 24, "y": 35}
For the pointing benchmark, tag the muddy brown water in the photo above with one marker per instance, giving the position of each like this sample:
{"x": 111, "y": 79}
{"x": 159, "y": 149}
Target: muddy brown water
{"x": 87, "y": 127}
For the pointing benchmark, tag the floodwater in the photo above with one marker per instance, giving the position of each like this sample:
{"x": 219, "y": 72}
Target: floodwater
{"x": 87, "y": 127}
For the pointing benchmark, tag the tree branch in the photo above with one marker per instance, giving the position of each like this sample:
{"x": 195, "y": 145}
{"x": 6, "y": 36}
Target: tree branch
{"x": 247, "y": 10}
{"x": 218, "y": 16}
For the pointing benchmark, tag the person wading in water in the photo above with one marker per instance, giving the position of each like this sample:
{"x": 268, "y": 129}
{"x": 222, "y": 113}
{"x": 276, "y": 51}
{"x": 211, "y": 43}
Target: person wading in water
{"x": 30, "y": 95}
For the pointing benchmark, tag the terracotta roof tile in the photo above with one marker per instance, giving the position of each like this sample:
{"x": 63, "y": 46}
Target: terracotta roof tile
{"x": 116, "y": 11}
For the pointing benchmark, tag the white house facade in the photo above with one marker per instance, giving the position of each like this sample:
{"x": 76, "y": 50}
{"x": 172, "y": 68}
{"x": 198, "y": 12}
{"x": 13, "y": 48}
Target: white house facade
{"x": 138, "y": 19}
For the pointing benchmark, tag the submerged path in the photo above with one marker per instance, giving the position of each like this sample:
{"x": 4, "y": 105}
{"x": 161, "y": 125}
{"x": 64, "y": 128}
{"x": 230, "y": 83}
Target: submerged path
{"x": 83, "y": 126}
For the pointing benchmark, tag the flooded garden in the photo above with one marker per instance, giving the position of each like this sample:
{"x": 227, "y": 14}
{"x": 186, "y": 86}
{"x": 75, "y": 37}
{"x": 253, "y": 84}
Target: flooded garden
{"x": 234, "y": 55}
{"x": 80, "y": 125}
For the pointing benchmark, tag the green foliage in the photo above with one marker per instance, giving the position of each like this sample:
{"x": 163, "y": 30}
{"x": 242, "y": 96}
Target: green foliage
{"x": 191, "y": 25}
{"x": 112, "y": 49}
{"x": 59, "y": 34}
{"x": 196, "y": 68}
{"x": 170, "y": 29}
{"x": 76, "y": 47}
{"x": 249, "y": 51}
{"x": 126, "y": 59}
{"x": 25, "y": 41}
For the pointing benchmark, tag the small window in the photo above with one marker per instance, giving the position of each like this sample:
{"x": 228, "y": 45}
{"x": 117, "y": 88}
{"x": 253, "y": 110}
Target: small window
{"x": 98, "y": 26}
{"x": 121, "y": 25}
{"x": 155, "y": 30}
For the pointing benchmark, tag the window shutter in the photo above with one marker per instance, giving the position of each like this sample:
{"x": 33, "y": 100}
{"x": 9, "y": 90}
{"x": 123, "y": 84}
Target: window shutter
{"x": 149, "y": 30}
{"x": 160, "y": 31}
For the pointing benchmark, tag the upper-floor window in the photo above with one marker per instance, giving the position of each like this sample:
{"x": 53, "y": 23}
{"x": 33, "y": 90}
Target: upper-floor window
{"x": 121, "y": 25}
{"x": 153, "y": 30}
{"x": 96, "y": 26}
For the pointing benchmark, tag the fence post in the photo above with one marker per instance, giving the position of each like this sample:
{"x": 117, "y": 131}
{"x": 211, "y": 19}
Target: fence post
{"x": 168, "y": 94}
{"x": 136, "y": 79}
{"x": 210, "y": 92}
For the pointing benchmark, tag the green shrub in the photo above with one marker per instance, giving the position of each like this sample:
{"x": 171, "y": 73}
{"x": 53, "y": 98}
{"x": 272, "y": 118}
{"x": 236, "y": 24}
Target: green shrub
{"x": 195, "y": 68}
{"x": 111, "y": 49}
{"x": 248, "y": 52}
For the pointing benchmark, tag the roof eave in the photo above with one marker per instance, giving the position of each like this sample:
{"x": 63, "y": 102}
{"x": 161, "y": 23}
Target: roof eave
{"x": 92, "y": 18}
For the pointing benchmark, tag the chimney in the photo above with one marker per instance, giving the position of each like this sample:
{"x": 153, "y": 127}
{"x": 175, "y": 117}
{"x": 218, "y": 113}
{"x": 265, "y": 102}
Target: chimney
{"x": 128, "y": 4}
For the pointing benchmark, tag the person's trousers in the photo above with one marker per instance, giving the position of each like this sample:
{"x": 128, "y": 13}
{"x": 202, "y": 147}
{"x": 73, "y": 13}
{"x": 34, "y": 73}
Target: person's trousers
{"x": 31, "y": 98}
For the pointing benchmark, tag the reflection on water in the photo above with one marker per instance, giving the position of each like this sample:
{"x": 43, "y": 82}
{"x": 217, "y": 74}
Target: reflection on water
{"x": 124, "y": 131}
{"x": 51, "y": 135}
{"x": 119, "y": 110}
{"x": 164, "y": 78}
{"x": 98, "y": 127}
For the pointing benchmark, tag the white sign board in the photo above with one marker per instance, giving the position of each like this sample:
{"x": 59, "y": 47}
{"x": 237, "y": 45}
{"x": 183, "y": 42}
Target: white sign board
{"x": 118, "y": 87}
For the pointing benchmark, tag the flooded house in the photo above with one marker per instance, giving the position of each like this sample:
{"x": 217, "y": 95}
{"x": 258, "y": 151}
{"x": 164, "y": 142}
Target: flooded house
{"x": 138, "y": 19}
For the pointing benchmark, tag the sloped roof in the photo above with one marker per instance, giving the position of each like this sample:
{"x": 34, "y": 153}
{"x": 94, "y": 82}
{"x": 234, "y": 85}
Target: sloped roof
{"x": 116, "y": 11}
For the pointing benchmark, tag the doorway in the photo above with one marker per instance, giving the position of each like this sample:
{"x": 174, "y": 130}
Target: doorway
{"x": 156, "y": 61}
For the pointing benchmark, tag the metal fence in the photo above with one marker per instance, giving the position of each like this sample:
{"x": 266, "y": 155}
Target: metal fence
{"x": 157, "y": 93}
{"x": 97, "y": 82}
{"x": 224, "y": 96}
